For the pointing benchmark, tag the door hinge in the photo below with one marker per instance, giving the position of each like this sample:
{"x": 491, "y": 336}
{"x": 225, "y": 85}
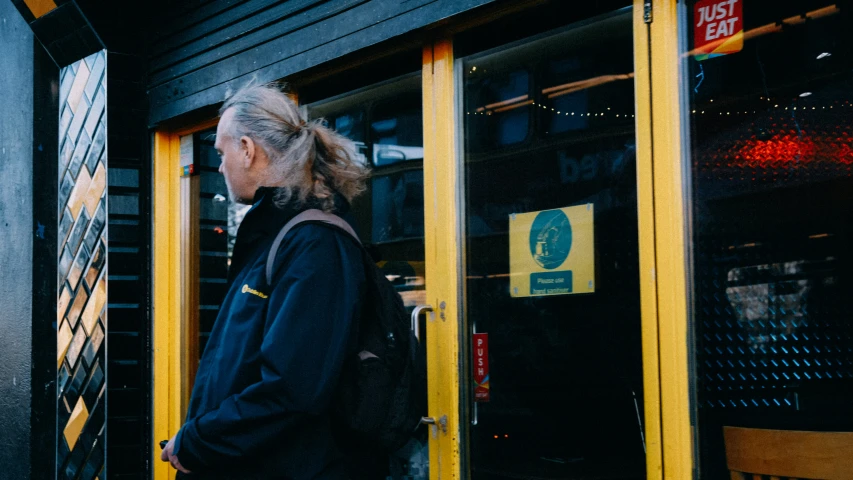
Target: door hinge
{"x": 647, "y": 11}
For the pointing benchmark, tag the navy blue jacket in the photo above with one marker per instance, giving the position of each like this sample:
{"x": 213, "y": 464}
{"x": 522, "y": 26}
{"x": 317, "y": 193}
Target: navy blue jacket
{"x": 260, "y": 407}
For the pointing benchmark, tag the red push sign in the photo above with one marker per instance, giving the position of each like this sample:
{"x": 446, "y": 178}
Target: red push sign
{"x": 481, "y": 367}
{"x": 718, "y": 28}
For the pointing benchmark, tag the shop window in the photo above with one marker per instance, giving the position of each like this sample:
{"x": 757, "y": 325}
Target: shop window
{"x": 771, "y": 163}
{"x": 549, "y": 134}
{"x": 386, "y": 123}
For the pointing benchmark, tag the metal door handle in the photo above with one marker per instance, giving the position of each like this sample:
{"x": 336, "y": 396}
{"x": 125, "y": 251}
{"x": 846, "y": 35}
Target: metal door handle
{"x": 440, "y": 423}
{"x": 416, "y": 319}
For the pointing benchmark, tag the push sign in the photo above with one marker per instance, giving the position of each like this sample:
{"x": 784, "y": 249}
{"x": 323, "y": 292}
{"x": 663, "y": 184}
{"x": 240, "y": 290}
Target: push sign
{"x": 481, "y": 367}
{"x": 718, "y": 28}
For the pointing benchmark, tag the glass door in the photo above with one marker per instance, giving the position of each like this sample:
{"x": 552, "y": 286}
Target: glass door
{"x": 551, "y": 289}
{"x": 385, "y": 121}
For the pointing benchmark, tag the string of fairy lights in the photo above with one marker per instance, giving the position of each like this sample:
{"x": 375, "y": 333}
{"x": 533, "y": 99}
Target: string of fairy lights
{"x": 560, "y": 112}
{"x": 609, "y": 113}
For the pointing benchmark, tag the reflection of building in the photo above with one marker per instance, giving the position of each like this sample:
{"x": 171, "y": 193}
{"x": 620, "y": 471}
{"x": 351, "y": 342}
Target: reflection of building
{"x": 384, "y": 154}
{"x": 769, "y": 302}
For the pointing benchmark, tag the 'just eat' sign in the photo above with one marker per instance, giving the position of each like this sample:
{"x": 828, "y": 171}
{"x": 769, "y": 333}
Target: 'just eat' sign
{"x": 719, "y": 28}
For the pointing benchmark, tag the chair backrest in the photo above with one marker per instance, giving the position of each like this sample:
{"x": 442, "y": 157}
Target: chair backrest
{"x": 751, "y": 452}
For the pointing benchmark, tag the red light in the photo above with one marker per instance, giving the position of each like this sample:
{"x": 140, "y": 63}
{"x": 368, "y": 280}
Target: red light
{"x": 778, "y": 150}
{"x": 219, "y": 230}
{"x": 783, "y": 150}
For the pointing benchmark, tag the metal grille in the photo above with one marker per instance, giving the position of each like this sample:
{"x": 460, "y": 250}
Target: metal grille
{"x": 82, "y": 286}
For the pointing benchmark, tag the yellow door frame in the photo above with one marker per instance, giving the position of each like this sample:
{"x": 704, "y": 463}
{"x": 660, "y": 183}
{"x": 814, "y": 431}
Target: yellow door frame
{"x": 660, "y": 189}
{"x": 173, "y": 235}
{"x": 663, "y": 186}
{"x": 443, "y": 258}
{"x": 646, "y": 232}
{"x": 166, "y": 295}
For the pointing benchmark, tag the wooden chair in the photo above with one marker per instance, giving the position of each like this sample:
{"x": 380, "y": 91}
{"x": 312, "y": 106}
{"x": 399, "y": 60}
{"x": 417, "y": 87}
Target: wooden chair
{"x": 753, "y": 453}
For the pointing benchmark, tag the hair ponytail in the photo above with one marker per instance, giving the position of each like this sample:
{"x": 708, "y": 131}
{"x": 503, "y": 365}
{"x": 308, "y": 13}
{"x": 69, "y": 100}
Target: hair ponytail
{"x": 308, "y": 160}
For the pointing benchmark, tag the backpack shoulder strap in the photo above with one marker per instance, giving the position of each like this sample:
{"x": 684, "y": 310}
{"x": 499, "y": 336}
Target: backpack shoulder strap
{"x": 312, "y": 215}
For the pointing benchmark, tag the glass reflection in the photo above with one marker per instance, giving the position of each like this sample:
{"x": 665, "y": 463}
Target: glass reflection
{"x": 772, "y": 192}
{"x": 386, "y": 123}
{"x": 219, "y": 219}
{"x": 548, "y": 125}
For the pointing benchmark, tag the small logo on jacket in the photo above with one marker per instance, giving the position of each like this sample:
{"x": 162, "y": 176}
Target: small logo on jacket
{"x": 248, "y": 289}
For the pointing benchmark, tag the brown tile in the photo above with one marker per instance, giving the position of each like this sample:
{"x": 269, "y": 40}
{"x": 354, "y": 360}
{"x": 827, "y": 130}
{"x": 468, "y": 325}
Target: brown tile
{"x": 96, "y": 189}
{"x": 77, "y": 343}
{"x": 95, "y": 267}
{"x": 95, "y": 305}
{"x": 77, "y": 307}
{"x": 63, "y": 340}
{"x": 78, "y": 193}
{"x": 62, "y": 305}
{"x": 75, "y": 424}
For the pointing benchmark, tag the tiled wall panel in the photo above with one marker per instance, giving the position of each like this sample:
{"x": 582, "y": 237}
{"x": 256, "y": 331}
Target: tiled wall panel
{"x": 82, "y": 283}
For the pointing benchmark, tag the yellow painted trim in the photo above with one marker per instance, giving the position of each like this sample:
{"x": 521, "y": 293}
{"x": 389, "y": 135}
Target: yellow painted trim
{"x": 442, "y": 256}
{"x": 189, "y": 207}
{"x": 210, "y": 123}
{"x": 670, "y": 238}
{"x": 171, "y": 388}
{"x": 646, "y": 212}
{"x": 40, "y": 7}
{"x": 166, "y": 308}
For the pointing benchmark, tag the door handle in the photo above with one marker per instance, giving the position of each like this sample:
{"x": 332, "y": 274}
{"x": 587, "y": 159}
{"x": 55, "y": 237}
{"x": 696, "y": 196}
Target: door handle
{"x": 416, "y": 319}
{"x": 440, "y": 423}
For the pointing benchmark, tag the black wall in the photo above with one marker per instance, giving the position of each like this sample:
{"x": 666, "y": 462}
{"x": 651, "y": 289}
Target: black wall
{"x": 16, "y": 191}
{"x": 206, "y": 48}
{"x": 129, "y": 261}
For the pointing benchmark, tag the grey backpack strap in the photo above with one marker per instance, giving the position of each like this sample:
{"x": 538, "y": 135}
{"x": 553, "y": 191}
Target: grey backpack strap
{"x": 312, "y": 215}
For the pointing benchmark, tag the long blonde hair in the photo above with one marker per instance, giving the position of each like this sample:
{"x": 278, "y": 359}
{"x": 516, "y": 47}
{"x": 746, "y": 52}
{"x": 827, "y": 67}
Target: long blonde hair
{"x": 309, "y": 161}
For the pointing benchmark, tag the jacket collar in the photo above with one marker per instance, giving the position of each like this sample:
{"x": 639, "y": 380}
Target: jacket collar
{"x": 265, "y": 206}
{"x": 264, "y": 220}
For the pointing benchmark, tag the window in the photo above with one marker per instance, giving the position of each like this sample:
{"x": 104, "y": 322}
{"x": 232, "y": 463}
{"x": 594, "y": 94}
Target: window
{"x": 771, "y": 162}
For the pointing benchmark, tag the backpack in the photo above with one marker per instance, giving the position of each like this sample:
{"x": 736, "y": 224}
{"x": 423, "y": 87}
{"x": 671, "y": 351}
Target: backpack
{"x": 382, "y": 394}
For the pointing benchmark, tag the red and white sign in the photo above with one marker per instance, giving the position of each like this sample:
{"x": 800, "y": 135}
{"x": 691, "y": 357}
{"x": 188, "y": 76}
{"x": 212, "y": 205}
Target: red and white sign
{"x": 481, "y": 367}
{"x": 718, "y": 28}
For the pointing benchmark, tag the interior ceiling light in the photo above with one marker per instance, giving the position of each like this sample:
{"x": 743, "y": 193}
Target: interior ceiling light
{"x": 805, "y": 94}
{"x": 824, "y": 55}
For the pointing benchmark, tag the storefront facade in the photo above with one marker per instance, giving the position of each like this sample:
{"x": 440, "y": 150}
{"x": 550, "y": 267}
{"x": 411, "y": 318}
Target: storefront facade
{"x": 620, "y": 228}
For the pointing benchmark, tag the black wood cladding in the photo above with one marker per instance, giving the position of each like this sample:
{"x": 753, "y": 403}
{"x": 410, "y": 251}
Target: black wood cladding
{"x": 129, "y": 374}
{"x": 200, "y": 53}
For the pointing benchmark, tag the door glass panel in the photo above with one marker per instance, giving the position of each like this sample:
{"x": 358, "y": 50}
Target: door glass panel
{"x": 386, "y": 124}
{"x": 552, "y": 256}
{"x": 219, "y": 218}
{"x": 772, "y": 223}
